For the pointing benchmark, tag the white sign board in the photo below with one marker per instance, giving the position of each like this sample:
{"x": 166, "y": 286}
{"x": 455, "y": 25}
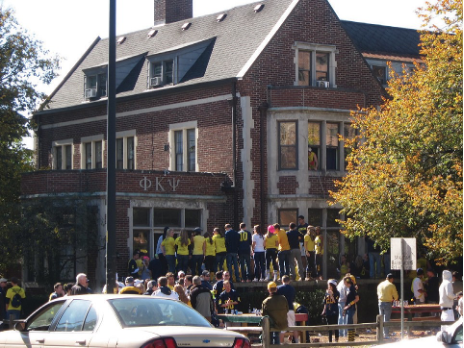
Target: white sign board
{"x": 409, "y": 253}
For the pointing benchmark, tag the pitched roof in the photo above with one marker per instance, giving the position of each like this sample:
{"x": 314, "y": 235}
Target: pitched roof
{"x": 233, "y": 44}
{"x": 383, "y": 40}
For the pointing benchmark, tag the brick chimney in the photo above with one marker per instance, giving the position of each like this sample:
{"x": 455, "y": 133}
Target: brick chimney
{"x": 169, "y": 11}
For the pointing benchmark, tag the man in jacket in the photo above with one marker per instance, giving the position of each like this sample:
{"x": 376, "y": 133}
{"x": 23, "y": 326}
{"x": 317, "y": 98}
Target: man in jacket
{"x": 232, "y": 245}
{"x": 201, "y": 299}
{"x": 276, "y": 307}
{"x": 446, "y": 297}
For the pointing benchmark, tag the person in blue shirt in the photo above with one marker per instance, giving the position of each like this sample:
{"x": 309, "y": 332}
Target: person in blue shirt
{"x": 294, "y": 238}
{"x": 289, "y": 292}
{"x": 232, "y": 245}
{"x": 244, "y": 252}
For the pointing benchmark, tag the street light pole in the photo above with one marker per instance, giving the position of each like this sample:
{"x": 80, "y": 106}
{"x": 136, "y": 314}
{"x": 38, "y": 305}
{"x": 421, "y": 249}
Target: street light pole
{"x": 111, "y": 158}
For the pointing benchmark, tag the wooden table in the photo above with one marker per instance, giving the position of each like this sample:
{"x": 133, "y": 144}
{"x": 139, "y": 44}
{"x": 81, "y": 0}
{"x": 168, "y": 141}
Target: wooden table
{"x": 413, "y": 309}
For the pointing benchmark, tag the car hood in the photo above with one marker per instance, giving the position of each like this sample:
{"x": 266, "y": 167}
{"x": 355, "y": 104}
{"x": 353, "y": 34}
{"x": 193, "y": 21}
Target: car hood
{"x": 185, "y": 336}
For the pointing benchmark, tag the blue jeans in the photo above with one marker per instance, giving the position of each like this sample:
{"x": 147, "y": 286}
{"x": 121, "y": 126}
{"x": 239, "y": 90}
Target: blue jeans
{"x": 171, "y": 259}
{"x": 232, "y": 260}
{"x": 197, "y": 260}
{"x": 260, "y": 261}
{"x": 284, "y": 262}
{"x": 182, "y": 263}
{"x": 341, "y": 318}
{"x": 220, "y": 257}
{"x": 385, "y": 309}
{"x": 374, "y": 257}
{"x": 245, "y": 265}
{"x": 13, "y": 315}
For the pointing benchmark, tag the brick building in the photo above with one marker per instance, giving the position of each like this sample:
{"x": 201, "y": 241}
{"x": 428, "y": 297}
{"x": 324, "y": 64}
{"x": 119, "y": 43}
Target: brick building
{"x": 215, "y": 115}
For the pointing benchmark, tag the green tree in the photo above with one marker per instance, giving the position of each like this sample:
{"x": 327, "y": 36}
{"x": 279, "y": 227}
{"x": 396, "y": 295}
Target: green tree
{"x": 22, "y": 61}
{"x": 405, "y": 169}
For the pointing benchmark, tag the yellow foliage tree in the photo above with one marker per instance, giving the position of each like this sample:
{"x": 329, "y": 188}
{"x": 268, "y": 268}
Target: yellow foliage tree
{"x": 405, "y": 169}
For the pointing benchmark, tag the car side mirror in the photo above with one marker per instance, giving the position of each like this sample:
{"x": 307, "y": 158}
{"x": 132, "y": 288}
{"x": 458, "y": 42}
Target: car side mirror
{"x": 20, "y": 326}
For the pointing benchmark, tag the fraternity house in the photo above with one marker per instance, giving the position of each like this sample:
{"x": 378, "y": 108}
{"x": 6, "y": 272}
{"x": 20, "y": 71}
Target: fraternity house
{"x": 215, "y": 119}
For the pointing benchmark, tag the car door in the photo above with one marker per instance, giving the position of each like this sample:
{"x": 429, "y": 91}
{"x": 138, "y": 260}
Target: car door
{"x": 36, "y": 327}
{"x": 75, "y": 326}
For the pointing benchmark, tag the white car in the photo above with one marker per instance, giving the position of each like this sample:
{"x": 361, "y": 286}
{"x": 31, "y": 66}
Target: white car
{"x": 118, "y": 321}
{"x": 450, "y": 337}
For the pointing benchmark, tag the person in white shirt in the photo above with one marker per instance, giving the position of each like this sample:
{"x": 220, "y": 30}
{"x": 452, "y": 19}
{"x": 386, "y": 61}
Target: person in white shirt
{"x": 446, "y": 297}
{"x": 164, "y": 291}
{"x": 342, "y": 289}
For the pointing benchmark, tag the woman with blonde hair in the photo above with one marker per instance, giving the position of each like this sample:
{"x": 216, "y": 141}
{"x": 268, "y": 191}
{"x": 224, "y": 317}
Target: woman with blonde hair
{"x": 271, "y": 243}
{"x": 220, "y": 246}
{"x": 182, "y": 243}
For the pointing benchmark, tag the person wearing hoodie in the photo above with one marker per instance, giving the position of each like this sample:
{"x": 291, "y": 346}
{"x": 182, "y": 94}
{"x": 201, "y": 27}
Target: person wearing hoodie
{"x": 446, "y": 297}
{"x": 164, "y": 290}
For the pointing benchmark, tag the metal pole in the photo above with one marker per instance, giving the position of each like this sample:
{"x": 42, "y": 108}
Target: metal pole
{"x": 402, "y": 287}
{"x": 111, "y": 158}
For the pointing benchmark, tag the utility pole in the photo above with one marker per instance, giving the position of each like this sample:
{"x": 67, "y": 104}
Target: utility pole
{"x": 111, "y": 158}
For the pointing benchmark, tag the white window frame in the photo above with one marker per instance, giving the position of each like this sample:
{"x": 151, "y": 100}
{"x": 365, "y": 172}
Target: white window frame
{"x": 62, "y": 144}
{"x": 92, "y": 140}
{"x": 124, "y": 135}
{"x": 184, "y": 126}
{"x": 316, "y": 48}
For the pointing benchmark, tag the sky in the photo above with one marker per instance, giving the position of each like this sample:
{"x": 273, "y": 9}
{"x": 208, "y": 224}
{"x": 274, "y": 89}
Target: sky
{"x": 67, "y": 28}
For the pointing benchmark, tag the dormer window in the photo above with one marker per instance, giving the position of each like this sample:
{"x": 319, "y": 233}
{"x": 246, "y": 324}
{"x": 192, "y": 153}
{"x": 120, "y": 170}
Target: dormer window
{"x": 162, "y": 73}
{"x": 95, "y": 86}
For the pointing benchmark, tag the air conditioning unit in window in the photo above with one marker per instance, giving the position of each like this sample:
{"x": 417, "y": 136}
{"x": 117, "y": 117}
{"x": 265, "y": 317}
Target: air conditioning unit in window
{"x": 90, "y": 92}
{"x": 323, "y": 84}
{"x": 156, "y": 81}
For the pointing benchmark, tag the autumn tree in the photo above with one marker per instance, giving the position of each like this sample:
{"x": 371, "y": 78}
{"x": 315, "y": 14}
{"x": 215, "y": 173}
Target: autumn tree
{"x": 405, "y": 169}
{"x": 23, "y": 64}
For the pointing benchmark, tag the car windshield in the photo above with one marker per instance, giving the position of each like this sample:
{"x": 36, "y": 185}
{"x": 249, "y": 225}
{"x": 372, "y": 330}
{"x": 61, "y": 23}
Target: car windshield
{"x": 149, "y": 311}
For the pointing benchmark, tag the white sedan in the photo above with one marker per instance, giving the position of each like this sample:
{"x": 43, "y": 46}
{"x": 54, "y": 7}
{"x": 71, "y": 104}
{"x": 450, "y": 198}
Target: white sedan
{"x": 450, "y": 337}
{"x": 118, "y": 321}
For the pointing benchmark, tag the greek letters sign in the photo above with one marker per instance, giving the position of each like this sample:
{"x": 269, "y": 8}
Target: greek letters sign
{"x": 159, "y": 184}
{"x": 409, "y": 253}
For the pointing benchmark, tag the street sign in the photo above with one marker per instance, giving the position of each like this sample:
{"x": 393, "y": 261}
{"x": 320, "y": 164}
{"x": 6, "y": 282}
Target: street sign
{"x": 408, "y": 261}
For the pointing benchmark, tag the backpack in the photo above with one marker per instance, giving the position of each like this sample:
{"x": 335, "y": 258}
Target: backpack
{"x": 16, "y": 300}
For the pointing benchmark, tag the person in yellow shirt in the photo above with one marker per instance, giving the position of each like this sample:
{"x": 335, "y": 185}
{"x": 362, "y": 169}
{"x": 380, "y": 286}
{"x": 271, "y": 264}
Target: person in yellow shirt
{"x": 284, "y": 251}
{"x": 319, "y": 246}
{"x": 182, "y": 244}
{"x": 210, "y": 252}
{"x": 168, "y": 247}
{"x": 199, "y": 250}
{"x": 386, "y": 293}
{"x": 220, "y": 247}
{"x": 271, "y": 244}
{"x": 310, "y": 249}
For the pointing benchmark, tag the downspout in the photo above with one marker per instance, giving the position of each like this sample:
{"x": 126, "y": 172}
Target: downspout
{"x": 233, "y": 104}
{"x": 262, "y": 133}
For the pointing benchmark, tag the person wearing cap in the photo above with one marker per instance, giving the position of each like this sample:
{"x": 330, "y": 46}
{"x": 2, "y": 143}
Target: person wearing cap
{"x": 244, "y": 252}
{"x": 199, "y": 250}
{"x": 330, "y": 303}
{"x": 276, "y": 307}
{"x": 386, "y": 293}
{"x": 271, "y": 243}
{"x": 130, "y": 287}
{"x": 3, "y": 290}
{"x": 417, "y": 288}
{"x": 205, "y": 280}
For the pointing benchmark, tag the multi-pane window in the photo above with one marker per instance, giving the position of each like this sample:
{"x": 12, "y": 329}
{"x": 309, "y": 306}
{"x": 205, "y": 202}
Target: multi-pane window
{"x": 92, "y": 154}
{"x": 95, "y": 86}
{"x": 288, "y": 150}
{"x": 348, "y": 133}
{"x": 380, "y": 72}
{"x": 63, "y": 157}
{"x": 314, "y": 145}
{"x": 185, "y": 154}
{"x": 125, "y": 152}
{"x": 314, "y": 68}
{"x": 161, "y": 73}
{"x": 332, "y": 146}
{"x": 322, "y": 66}
{"x": 148, "y": 224}
{"x": 304, "y": 68}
